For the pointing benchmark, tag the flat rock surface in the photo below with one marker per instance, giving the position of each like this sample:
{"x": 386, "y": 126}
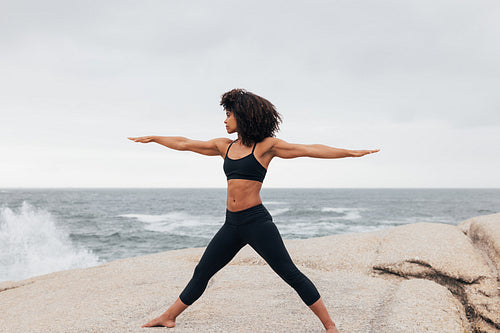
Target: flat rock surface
{"x": 247, "y": 296}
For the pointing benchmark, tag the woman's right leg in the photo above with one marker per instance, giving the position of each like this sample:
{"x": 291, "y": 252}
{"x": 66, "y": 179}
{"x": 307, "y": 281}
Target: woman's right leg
{"x": 219, "y": 252}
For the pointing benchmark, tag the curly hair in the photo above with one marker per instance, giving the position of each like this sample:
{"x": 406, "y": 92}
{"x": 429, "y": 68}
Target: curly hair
{"x": 256, "y": 117}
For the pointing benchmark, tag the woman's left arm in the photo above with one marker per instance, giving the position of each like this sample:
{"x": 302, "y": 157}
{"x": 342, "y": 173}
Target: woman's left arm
{"x": 283, "y": 149}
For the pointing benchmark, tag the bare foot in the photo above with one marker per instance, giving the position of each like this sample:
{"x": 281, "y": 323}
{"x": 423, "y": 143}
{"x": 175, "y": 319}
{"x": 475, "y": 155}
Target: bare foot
{"x": 167, "y": 319}
{"x": 162, "y": 320}
{"x": 332, "y": 329}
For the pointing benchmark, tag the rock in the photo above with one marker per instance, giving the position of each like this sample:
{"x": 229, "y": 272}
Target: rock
{"x": 6, "y": 285}
{"x": 484, "y": 231}
{"x": 419, "y": 305}
{"x": 120, "y": 296}
{"x": 413, "y": 278}
{"x": 429, "y": 250}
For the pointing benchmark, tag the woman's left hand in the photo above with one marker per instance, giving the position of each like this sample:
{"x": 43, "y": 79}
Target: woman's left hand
{"x": 359, "y": 153}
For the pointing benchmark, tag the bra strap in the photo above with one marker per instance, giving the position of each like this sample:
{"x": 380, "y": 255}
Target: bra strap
{"x": 227, "y": 151}
{"x": 255, "y": 144}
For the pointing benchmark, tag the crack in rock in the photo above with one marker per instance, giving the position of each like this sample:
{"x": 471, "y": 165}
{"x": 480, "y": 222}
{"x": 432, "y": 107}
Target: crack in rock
{"x": 8, "y": 285}
{"x": 459, "y": 288}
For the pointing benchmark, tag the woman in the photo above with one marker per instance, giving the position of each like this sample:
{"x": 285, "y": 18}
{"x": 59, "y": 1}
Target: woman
{"x": 246, "y": 161}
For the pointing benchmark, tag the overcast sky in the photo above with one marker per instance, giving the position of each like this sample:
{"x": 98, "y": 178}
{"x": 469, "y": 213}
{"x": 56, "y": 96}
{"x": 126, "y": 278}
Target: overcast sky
{"x": 418, "y": 79}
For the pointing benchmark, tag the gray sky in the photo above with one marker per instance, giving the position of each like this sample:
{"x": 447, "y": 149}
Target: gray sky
{"x": 417, "y": 79}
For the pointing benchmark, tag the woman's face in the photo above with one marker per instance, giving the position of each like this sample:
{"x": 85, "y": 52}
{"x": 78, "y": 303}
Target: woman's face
{"x": 230, "y": 122}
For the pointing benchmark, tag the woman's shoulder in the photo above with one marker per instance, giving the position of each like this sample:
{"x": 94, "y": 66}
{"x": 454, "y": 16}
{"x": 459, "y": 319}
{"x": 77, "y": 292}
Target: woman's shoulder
{"x": 223, "y": 140}
{"x": 270, "y": 142}
{"x": 221, "y": 143}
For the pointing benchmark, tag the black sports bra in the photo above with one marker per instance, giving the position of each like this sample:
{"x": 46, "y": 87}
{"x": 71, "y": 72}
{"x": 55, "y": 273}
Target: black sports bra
{"x": 244, "y": 168}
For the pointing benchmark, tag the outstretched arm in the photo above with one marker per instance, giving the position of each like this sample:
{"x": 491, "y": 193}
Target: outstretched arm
{"x": 284, "y": 149}
{"x": 211, "y": 148}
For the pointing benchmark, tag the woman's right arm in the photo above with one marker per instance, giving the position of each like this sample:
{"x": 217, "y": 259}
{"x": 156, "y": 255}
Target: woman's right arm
{"x": 210, "y": 148}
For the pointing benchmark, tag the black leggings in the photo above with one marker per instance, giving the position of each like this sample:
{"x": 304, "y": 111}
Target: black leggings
{"x": 252, "y": 226}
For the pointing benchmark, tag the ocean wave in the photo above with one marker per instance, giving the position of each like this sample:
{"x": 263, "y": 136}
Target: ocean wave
{"x": 308, "y": 229}
{"x": 179, "y": 223}
{"x": 418, "y": 219}
{"x": 31, "y": 244}
{"x": 362, "y": 228}
{"x": 346, "y": 213}
{"x": 278, "y": 211}
{"x": 318, "y": 229}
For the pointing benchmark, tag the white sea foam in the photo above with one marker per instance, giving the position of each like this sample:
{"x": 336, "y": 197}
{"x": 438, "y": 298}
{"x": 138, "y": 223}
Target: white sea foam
{"x": 418, "y": 219}
{"x": 316, "y": 229}
{"x": 363, "y": 228}
{"x": 278, "y": 211}
{"x": 179, "y": 223}
{"x": 149, "y": 218}
{"x": 348, "y": 213}
{"x": 309, "y": 229}
{"x": 31, "y": 244}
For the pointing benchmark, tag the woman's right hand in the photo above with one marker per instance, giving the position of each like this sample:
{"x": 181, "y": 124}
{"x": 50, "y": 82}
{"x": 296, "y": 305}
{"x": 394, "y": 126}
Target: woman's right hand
{"x": 143, "y": 139}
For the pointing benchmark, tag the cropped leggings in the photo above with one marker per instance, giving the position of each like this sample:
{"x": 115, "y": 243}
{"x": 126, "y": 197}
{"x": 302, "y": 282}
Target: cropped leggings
{"x": 253, "y": 226}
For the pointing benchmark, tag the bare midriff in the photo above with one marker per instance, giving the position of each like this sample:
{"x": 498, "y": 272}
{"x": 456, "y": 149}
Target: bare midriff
{"x": 243, "y": 194}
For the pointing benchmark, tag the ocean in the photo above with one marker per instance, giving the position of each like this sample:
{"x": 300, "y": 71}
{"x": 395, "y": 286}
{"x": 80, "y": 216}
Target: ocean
{"x": 48, "y": 230}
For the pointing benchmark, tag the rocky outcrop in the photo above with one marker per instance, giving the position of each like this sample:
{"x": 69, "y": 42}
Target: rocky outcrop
{"x": 484, "y": 297}
{"x": 484, "y": 231}
{"x": 414, "y": 278}
{"x": 443, "y": 254}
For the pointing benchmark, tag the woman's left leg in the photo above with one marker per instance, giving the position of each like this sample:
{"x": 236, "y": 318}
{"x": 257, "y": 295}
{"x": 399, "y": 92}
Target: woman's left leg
{"x": 265, "y": 239}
